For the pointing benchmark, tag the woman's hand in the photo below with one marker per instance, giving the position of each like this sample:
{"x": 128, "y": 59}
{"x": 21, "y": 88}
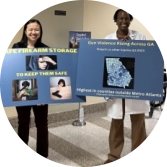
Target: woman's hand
{"x": 48, "y": 59}
{"x": 124, "y": 38}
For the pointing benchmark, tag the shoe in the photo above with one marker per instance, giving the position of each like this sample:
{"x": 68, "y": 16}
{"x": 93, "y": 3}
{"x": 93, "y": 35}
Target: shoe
{"x": 109, "y": 163}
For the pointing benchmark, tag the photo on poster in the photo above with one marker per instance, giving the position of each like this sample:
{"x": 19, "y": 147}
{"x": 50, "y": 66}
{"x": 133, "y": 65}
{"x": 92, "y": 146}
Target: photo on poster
{"x": 76, "y": 36}
{"x": 41, "y": 62}
{"x": 60, "y": 88}
{"x": 119, "y": 72}
{"x": 24, "y": 90}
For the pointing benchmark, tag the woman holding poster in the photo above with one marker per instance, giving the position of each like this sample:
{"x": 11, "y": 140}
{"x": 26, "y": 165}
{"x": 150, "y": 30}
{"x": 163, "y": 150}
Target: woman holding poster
{"x": 118, "y": 107}
{"x": 31, "y": 38}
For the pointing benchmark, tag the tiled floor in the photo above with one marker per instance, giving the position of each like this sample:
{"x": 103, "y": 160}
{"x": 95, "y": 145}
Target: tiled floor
{"x": 86, "y": 145}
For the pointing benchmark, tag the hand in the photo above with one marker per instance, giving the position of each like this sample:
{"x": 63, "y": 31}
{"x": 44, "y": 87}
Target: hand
{"x": 48, "y": 59}
{"x": 23, "y": 92}
{"x": 40, "y": 104}
{"x": 124, "y": 38}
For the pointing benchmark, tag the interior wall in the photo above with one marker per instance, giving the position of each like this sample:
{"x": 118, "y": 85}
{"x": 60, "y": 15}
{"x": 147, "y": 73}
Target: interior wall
{"x": 17, "y": 36}
{"x": 98, "y": 18}
{"x": 93, "y": 16}
{"x": 56, "y": 28}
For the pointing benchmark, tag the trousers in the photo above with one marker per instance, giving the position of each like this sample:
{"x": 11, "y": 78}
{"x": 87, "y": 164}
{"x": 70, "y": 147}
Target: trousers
{"x": 41, "y": 121}
{"x": 116, "y": 136}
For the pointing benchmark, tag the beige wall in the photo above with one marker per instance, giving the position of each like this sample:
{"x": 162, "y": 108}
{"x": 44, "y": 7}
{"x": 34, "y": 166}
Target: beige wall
{"x": 98, "y": 18}
{"x": 17, "y": 36}
{"x": 56, "y": 28}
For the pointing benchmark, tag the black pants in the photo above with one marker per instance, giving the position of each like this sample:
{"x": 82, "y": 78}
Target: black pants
{"x": 41, "y": 121}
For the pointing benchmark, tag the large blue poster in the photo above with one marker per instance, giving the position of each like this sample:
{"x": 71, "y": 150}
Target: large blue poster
{"x": 39, "y": 76}
{"x": 120, "y": 69}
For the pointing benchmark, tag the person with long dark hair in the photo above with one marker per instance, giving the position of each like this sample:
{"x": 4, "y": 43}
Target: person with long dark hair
{"x": 32, "y": 38}
{"x": 41, "y": 62}
{"x": 118, "y": 107}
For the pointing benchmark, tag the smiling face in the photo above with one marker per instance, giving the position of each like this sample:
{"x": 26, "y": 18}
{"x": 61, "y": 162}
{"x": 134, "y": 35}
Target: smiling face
{"x": 33, "y": 32}
{"x": 123, "y": 20}
{"x": 42, "y": 64}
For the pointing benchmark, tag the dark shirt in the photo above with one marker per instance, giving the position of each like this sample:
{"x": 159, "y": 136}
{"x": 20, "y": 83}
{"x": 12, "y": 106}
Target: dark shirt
{"x": 20, "y": 45}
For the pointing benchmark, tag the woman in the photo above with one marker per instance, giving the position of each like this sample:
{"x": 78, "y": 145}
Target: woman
{"x": 117, "y": 107}
{"x": 25, "y": 92}
{"x": 41, "y": 62}
{"x": 61, "y": 84}
{"x": 32, "y": 38}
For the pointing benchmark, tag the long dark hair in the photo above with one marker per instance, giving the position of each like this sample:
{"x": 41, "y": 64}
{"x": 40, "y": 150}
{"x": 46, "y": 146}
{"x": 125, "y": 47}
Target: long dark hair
{"x": 24, "y": 39}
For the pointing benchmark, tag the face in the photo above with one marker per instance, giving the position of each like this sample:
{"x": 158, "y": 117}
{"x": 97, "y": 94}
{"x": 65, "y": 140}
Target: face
{"x": 42, "y": 64}
{"x": 73, "y": 40}
{"x": 61, "y": 84}
{"x": 123, "y": 20}
{"x": 33, "y": 31}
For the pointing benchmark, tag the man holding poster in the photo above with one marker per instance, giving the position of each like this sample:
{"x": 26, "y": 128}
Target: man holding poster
{"x": 118, "y": 107}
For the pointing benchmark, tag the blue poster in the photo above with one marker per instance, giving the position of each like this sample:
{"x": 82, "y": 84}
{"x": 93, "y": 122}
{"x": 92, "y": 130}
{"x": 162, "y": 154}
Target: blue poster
{"x": 76, "y": 36}
{"x": 39, "y": 76}
{"x": 120, "y": 69}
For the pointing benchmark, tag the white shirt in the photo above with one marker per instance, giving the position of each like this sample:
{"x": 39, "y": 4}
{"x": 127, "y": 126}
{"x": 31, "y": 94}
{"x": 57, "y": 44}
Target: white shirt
{"x": 134, "y": 35}
{"x": 114, "y": 106}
